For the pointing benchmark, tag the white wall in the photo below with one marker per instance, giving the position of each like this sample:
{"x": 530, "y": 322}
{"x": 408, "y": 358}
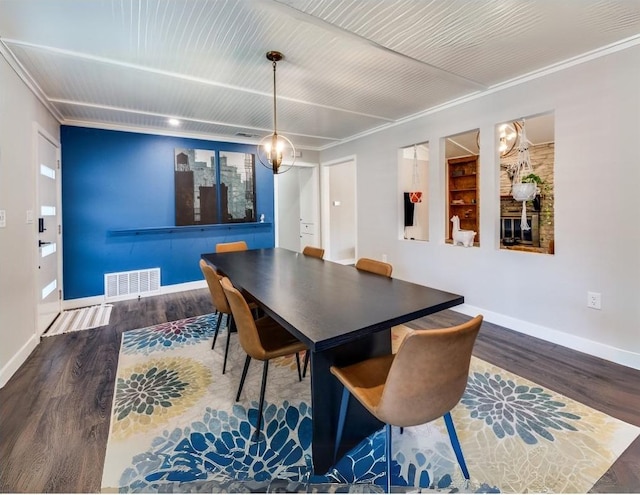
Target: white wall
{"x": 342, "y": 212}
{"x": 597, "y": 221}
{"x": 20, "y": 111}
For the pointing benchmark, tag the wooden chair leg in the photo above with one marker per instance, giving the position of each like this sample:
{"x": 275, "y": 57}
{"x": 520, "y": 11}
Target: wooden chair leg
{"x": 387, "y": 430}
{"x": 265, "y": 370}
{"x": 306, "y": 363}
{"x": 298, "y": 364}
{"x": 244, "y": 375}
{"x": 344, "y": 405}
{"x": 215, "y": 335}
{"x": 455, "y": 443}
{"x": 226, "y": 349}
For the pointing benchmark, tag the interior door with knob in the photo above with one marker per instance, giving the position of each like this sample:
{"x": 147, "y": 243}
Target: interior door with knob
{"x": 48, "y": 231}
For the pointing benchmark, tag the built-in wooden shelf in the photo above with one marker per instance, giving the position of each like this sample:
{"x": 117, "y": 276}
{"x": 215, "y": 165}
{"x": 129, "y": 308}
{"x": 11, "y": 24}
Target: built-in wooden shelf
{"x": 462, "y": 176}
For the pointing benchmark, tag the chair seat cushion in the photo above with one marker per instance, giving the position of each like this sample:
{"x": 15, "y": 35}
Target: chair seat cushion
{"x": 366, "y": 379}
{"x": 276, "y": 341}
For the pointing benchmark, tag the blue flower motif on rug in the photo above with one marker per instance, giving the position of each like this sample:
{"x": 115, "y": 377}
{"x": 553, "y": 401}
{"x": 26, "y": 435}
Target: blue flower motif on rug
{"x": 511, "y": 409}
{"x": 220, "y": 447}
{"x": 366, "y": 462}
{"x": 169, "y": 335}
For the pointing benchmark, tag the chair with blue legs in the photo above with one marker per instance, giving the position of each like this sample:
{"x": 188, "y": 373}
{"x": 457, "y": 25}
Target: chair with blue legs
{"x": 422, "y": 382}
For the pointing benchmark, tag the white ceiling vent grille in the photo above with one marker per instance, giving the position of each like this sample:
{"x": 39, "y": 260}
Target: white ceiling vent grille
{"x": 124, "y": 285}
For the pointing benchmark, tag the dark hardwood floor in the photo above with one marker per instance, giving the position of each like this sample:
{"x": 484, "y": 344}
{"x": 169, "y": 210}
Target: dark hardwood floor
{"x": 54, "y": 412}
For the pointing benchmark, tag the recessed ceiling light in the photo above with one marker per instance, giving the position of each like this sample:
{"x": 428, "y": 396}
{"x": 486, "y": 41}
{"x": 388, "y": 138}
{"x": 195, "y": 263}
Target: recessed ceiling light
{"x": 174, "y": 122}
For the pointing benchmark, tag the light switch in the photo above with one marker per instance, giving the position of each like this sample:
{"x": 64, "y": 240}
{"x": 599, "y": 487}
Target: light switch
{"x": 3, "y": 218}
{"x": 336, "y": 203}
{"x": 29, "y": 216}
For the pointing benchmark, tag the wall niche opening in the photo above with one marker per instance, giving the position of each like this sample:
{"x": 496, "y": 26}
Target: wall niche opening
{"x": 413, "y": 168}
{"x": 462, "y": 167}
{"x": 530, "y": 229}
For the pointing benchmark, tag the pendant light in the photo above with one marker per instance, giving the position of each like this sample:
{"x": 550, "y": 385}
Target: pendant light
{"x": 275, "y": 151}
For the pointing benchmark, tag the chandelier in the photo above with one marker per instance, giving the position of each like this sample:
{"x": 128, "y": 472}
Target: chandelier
{"x": 275, "y": 151}
{"x": 508, "y": 137}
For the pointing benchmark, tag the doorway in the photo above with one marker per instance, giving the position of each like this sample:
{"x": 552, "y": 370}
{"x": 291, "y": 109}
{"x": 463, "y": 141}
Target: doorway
{"x": 48, "y": 215}
{"x": 297, "y": 208}
{"x": 339, "y": 217}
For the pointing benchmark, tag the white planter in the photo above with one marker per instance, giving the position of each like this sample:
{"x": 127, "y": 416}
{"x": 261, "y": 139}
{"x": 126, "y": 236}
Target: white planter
{"x": 524, "y": 192}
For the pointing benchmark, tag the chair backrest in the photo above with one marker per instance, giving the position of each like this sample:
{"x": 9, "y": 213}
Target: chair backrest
{"x": 217, "y": 294}
{"x": 428, "y": 375}
{"x": 243, "y": 318}
{"x": 226, "y": 247}
{"x": 374, "y": 266}
{"x": 316, "y": 252}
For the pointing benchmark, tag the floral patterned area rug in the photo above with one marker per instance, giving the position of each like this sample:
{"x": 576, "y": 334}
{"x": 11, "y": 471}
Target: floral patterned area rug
{"x": 175, "y": 427}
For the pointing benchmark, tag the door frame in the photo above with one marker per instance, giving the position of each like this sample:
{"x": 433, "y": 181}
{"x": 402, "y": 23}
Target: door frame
{"x": 39, "y": 131}
{"x": 276, "y": 198}
{"x": 325, "y": 201}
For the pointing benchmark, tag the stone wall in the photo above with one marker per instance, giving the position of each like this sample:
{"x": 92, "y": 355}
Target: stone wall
{"x": 542, "y": 160}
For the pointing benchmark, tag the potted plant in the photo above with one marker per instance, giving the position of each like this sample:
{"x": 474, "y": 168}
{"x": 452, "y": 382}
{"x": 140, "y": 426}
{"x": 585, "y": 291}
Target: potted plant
{"x": 527, "y": 188}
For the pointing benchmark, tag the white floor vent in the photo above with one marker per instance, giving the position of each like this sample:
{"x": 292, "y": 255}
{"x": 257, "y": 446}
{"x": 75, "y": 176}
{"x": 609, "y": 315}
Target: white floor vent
{"x": 131, "y": 284}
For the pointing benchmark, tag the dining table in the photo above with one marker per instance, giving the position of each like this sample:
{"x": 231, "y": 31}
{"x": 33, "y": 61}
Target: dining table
{"x": 343, "y": 315}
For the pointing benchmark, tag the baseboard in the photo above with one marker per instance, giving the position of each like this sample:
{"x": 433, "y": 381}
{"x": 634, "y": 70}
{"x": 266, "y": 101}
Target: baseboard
{"x": 16, "y": 361}
{"x": 598, "y": 349}
{"x": 165, "y": 289}
{"x": 348, "y": 261}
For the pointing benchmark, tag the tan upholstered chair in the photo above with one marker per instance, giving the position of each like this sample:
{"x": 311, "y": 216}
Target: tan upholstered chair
{"x": 374, "y": 266}
{"x": 226, "y": 247}
{"x": 261, "y": 339}
{"x": 316, "y": 252}
{"x": 422, "y": 382}
{"x": 220, "y": 304}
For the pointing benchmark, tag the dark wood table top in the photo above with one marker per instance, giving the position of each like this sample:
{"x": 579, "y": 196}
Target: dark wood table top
{"x": 326, "y": 304}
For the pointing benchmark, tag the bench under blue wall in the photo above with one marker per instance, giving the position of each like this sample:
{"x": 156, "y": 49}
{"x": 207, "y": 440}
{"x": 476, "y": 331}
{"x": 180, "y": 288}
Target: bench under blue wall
{"x": 118, "y": 209}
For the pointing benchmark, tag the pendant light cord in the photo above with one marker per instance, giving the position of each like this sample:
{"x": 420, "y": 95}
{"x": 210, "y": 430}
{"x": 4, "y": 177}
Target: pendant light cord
{"x": 275, "y": 127}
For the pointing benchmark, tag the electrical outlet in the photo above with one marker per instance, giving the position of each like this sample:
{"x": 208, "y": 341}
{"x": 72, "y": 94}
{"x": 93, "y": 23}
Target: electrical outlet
{"x": 3, "y": 218}
{"x": 594, "y": 300}
{"x": 384, "y": 258}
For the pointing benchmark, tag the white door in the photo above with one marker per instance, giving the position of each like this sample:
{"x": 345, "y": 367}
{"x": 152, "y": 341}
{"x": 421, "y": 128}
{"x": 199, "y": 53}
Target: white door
{"x": 48, "y": 226}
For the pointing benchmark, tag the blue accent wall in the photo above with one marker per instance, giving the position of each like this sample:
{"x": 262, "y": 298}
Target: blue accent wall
{"x": 118, "y": 209}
